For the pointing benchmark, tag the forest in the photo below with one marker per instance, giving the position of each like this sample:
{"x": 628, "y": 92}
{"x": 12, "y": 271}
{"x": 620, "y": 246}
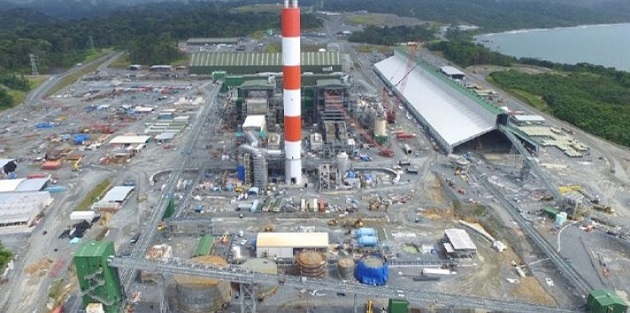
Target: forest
{"x": 389, "y": 36}
{"x": 598, "y": 103}
{"x": 150, "y": 33}
{"x": 494, "y": 15}
{"x": 5, "y": 256}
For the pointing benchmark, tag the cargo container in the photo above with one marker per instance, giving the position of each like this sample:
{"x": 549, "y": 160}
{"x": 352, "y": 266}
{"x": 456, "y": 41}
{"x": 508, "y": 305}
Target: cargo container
{"x": 398, "y": 306}
{"x": 82, "y": 215}
{"x": 435, "y": 271}
{"x": 55, "y": 189}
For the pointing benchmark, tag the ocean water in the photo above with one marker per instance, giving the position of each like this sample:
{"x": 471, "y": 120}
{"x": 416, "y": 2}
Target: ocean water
{"x": 607, "y": 45}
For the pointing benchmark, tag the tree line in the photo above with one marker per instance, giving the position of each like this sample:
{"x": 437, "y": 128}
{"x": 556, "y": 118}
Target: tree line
{"x": 389, "y": 36}
{"x": 598, "y": 103}
{"x": 494, "y": 15}
{"x": 149, "y": 32}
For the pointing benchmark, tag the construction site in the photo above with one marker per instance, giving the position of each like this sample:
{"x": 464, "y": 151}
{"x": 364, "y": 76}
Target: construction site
{"x": 253, "y": 184}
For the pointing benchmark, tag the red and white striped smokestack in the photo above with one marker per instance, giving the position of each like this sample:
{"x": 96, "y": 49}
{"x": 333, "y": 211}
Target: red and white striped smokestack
{"x": 291, "y": 71}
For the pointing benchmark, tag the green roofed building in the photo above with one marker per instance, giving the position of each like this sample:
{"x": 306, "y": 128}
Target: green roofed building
{"x": 603, "y": 301}
{"x": 235, "y": 63}
{"x": 99, "y": 283}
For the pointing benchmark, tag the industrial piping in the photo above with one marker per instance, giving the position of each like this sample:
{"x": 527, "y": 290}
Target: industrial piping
{"x": 291, "y": 83}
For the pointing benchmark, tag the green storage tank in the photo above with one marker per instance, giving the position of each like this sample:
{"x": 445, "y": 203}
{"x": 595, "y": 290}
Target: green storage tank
{"x": 398, "y": 306}
{"x": 604, "y": 301}
{"x": 99, "y": 283}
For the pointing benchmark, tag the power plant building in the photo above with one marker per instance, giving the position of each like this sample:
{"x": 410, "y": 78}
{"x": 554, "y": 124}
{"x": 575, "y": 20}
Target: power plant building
{"x": 234, "y": 63}
{"x": 286, "y": 245}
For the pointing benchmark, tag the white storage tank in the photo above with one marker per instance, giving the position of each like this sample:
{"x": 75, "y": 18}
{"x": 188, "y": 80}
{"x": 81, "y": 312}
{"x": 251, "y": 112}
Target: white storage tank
{"x": 342, "y": 163}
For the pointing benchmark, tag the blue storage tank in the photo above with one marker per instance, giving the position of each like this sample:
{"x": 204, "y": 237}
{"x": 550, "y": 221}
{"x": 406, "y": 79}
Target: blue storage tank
{"x": 240, "y": 172}
{"x": 372, "y": 270}
{"x": 368, "y": 241}
{"x": 55, "y": 189}
{"x": 365, "y": 231}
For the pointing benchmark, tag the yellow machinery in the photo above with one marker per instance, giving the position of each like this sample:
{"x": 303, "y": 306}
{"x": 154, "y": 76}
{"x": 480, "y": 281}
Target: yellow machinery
{"x": 76, "y": 165}
{"x": 369, "y": 306}
{"x": 569, "y": 188}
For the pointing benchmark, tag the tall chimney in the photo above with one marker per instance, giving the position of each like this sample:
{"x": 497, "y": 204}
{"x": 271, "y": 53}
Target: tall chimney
{"x": 292, "y": 98}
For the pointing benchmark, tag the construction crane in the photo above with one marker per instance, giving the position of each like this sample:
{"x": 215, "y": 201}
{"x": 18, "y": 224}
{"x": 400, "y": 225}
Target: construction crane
{"x": 411, "y": 65}
{"x": 391, "y": 113}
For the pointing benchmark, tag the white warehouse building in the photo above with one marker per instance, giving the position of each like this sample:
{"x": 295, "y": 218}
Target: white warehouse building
{"x": 287, "y": 245}
{"x": 452, "y": 114}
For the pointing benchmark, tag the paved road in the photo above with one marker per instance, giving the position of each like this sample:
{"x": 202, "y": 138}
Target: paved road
{"x": 36, "y": 95}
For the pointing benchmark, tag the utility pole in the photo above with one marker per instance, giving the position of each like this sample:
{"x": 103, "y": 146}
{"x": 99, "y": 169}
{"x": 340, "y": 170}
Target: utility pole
{"x": 34, "y": 64}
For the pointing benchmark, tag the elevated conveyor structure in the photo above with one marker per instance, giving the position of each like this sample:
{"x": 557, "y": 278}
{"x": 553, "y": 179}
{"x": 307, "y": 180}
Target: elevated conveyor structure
{"x": 583, "y": 288}
{"x": 533, "y": 165}
{"x": 238, "y": 275}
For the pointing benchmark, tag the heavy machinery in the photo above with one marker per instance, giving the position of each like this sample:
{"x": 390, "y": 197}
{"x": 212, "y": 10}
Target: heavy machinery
{"x": 387, "y": 152}
{"x": 369, "y": 306}
{"x": 603, "y": 208}
{"x": 391, "y": 113}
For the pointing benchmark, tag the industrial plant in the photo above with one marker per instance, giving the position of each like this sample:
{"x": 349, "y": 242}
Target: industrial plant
{"x": 310, "y": 179}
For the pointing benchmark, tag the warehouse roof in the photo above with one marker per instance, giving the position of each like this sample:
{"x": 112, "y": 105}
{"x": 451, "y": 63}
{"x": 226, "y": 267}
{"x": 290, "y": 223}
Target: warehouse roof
{"x": 10, "y": 185}
{"x": 211, "y": 41}
{"x": 33, "y": 184}
{"x": 453, "y": 112}
{"x": 450, "y": 71}
{"x": 528, "y": 118}
{"x": 292, "y": 240}
{"x": 262, "y": 59}
{"x": 22, "y": 207}
{"x": 117, "y": 194}
{"x": 459, "y": 239}
{"x": 128, "y": 140}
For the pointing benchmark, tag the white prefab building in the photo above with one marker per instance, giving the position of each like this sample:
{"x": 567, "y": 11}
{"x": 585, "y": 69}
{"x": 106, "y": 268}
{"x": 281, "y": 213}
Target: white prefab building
{"x": 255, "y": 123}
{"x": 21, "y": 208}
{"x": 286, "y": 245}
{"x": 458, "y": 244}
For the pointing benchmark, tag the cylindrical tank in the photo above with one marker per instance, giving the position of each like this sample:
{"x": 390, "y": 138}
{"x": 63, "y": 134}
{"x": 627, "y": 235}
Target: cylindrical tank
{"x": 368, "y": 241}
{"x": 311, "y": 263}
{"x": 345, "y": 267}
{"x": 380, "y": 127}
{"x": 202, "y": 295}
{"x": 262, "y": 266}
{"x": 342, "y": 163}
{"x": 240, "y": 172}
{"x": 365, "y": 231}
{"x": 372, "y": 270}
{"x": 236, "y": 253}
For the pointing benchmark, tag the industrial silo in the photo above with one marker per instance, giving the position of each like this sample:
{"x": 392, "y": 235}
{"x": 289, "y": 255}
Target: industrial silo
{"x": 311, "y": 263}
{"x": 342, "y": 163}
{"x": 372, "y": 270}
{"x": 200, "y": 294}
{"x": 264, "y": 266}
{"x": 345, "y": 266}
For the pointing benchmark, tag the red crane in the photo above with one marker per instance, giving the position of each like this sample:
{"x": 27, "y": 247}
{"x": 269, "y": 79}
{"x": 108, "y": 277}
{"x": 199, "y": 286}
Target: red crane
{"x": 402, "y": 84}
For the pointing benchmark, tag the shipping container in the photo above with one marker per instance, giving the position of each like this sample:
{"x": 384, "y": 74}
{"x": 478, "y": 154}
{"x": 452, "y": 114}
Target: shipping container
{"x": 55, "y": 189}
{"x": 82, "y": 215}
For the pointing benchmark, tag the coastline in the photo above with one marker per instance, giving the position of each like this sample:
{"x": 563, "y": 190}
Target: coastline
{"x": 531, "y": 30}
{"x": 596, "y": 44}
